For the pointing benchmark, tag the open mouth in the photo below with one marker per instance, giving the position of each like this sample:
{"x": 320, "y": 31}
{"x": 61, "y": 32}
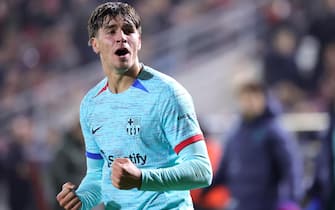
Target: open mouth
{"x": 121, "y": 52}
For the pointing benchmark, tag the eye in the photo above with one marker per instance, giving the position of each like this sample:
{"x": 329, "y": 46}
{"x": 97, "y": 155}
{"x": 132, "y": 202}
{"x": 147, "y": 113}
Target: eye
{"x": 111, "y": 31}
{"x": 128, "y": 29}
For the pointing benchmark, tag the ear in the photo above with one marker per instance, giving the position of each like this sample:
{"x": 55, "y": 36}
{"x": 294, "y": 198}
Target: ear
{"x": 95, "y": 45}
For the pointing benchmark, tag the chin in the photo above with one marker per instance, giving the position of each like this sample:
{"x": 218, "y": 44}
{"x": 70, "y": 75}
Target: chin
{"x": 122, "y": 66}
{"x": 122, "y": 70}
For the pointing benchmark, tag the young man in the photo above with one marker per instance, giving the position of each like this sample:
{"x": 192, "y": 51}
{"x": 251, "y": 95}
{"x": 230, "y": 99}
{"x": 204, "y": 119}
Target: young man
{"x": 144, "y": 147}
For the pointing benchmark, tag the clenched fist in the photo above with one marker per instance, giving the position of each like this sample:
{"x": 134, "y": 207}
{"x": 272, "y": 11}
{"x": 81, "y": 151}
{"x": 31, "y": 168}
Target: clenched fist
{"x": 67, "y": 198}
{"x": 125, "y": 175}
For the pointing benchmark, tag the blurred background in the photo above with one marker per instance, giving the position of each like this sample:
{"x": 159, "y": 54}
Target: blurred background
{"x": 46, "y": 67}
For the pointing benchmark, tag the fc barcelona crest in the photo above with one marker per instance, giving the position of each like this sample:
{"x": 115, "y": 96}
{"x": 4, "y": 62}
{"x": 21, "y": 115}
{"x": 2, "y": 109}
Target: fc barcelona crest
{"x": 133, "y": 126}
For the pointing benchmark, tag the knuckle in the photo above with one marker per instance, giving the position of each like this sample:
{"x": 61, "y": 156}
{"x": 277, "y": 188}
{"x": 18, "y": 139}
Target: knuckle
{"x": 61, "y": 203}
{"x": 65, "y": 185}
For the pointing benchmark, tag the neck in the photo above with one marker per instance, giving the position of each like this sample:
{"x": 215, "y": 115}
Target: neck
{"x": 121, "y": 80}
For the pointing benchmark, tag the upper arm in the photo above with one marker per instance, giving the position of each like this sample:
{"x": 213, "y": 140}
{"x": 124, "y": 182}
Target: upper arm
{"x": 89, "y": 190}
{"x": 179, "y": 120}
{"x": 91, "y": 147}
{"x": 195, "y": 151}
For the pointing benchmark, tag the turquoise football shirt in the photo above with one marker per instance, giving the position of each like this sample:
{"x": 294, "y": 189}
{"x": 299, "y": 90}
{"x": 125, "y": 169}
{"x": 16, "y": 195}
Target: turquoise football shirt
{"x": 150, "y": 124}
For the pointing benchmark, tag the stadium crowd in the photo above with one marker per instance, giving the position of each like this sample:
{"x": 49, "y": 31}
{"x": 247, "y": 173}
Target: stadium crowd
{"x": 43, "y": 39}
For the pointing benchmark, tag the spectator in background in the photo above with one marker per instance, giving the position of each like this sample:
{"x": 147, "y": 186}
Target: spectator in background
{"x": 322, "y": 192}
{"x": 68, "y": 161}
{"x": 261, "y": 165}
{"x": 18, "y": 167}
{"x": 81, "y": 10}
{"x": 327, "y": 81}
{"x": 323, "y": 30}
{"x": 281, "y": 72}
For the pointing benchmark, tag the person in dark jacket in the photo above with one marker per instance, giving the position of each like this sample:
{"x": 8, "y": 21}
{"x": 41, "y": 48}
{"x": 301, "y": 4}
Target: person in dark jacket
{"x": 322, "y": 192}
{"x": 261, "y": 165}
{"x": 17, "y": 166}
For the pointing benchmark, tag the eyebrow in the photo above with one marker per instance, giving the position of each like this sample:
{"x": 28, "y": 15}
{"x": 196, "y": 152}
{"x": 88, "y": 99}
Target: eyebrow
{"x": 106, "y": 27}
{"x": 113, "y": 25}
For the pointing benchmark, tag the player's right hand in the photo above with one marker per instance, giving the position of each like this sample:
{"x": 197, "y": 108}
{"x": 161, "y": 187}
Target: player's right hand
{"x": 67, "y": 197}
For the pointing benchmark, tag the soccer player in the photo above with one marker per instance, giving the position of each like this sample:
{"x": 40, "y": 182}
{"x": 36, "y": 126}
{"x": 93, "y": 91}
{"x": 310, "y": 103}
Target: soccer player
{"x": 144, "y": 147}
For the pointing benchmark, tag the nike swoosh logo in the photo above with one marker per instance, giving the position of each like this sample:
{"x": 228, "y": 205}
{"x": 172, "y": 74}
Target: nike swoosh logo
{"x": 95, "y": 130}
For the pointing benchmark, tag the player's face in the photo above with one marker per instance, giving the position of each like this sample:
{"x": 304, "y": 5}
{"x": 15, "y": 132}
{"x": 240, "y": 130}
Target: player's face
{"x": 118, "y": 43}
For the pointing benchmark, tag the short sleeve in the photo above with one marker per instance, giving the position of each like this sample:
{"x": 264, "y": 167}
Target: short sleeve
{"x": 179, "y": 119}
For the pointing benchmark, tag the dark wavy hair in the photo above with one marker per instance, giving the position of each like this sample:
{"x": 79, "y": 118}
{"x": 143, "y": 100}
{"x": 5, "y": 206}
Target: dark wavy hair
{"x": 103, "y": 13}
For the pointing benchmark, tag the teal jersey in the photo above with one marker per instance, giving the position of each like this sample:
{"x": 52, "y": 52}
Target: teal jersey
{"x": 149, "y": 123}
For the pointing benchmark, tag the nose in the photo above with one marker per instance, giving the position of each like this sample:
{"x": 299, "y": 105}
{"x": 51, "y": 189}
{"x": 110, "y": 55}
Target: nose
{"x": 120, "y": 36}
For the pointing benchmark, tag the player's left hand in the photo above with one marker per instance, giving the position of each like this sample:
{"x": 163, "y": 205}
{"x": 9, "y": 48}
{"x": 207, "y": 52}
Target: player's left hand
{"x": 125, "y": 175}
